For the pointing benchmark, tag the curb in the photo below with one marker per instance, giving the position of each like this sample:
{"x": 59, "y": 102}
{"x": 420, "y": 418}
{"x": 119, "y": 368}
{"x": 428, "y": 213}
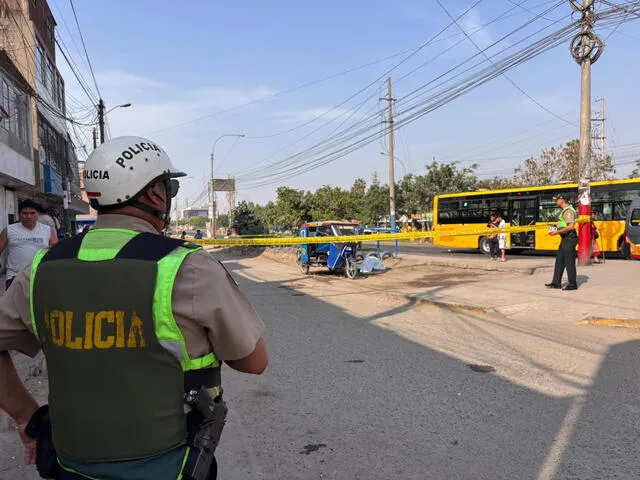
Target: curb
{"x": 436, "y": 262}
{"x": 611, "y": 322}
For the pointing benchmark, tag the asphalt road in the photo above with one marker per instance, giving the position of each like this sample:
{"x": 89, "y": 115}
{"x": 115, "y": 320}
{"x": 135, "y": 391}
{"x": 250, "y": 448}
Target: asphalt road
{"x": 366, "y": 386}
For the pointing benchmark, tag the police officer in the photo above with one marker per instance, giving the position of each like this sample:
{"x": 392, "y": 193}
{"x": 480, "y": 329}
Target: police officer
{"x": 566, "y": 256}
{"x": 129, "y": 320}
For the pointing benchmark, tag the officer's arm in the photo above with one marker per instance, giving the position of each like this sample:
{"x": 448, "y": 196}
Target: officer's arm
{"x": 256, "y": 362}
{"x": 4, "y": 239}
{"x": 15, "y": 399}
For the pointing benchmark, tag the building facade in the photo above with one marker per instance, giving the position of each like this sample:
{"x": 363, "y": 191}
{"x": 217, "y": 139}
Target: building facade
{"x": 37, "y": 156}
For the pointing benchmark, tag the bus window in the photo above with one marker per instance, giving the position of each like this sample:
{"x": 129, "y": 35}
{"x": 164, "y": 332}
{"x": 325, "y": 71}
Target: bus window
{"x": 635, "y": 217}
{"x": 622, "y": 202}
{"x": 549, "y": 210}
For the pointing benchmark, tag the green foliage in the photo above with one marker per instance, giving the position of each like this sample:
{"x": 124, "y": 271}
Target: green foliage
{"x": 245, "y": 220}
{"x": 561, "y": 164}
{"x": 222, "y": 220}
{"x": 195, "y": 222}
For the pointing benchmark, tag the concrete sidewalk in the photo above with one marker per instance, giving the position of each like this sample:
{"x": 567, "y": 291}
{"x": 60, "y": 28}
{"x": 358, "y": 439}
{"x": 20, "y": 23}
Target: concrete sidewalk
{"x": 514, "y": 289}
{"x": 607, "y": 291}
{"x": 517, "y": 264}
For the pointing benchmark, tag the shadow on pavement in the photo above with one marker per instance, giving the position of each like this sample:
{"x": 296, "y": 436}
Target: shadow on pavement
{"x": 345, "y": 399}
{"x": 605, "y": 425}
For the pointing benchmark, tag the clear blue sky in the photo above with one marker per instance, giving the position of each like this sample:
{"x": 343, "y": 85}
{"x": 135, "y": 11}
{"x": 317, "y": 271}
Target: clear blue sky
{"x": 178, "y": 62}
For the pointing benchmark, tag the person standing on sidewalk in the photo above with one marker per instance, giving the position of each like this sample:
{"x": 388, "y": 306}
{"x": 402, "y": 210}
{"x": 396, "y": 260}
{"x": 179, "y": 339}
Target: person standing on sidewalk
{"x": 502, "y": 237}
{"x": 566, "y": 255}
{"x": 595, "y": 246}
{"x": 134, "y": 326}
{"x": 493, "y": 239}
{"x": 23, "y": 239}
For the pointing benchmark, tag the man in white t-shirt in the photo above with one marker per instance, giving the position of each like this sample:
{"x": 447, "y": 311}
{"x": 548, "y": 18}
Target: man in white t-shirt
{"x": 502, "y": 237}
{"x": 23, "y": 239}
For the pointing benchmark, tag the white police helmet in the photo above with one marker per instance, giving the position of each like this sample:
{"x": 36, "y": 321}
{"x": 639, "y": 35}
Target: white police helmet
{"x": 121, "y": 168}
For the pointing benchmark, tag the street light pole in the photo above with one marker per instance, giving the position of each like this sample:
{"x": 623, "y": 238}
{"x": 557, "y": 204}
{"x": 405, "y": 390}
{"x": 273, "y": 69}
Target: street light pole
{"x": 102, "y": 114}
{"x": 212, "y": 191}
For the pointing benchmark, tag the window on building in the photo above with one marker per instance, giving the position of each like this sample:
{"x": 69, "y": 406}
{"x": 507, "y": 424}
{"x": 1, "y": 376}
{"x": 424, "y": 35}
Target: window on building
{"x": 61, "y": 101}
{"x": 50, "y": 29}
{"x": 4, "y": 100}
{"x": 52, "y": 146}
{"x": 50, "y": 76}
{"x": 40, "y": 59}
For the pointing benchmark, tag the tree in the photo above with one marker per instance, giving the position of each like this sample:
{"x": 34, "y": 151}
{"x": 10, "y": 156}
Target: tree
{"x": 559, "y": 164}
{"x": 375, "y": 204}
{"x": 195, "y": 222}
{"x": 245, "y": 221}
{"x": 222, "y": 220}
{"x": 496, "y": 183}
{"x": 292, "y": 208}
{"x": 636, "y": 171}
{"x": 448, "y": 178}
{"x": 332, "y": 203}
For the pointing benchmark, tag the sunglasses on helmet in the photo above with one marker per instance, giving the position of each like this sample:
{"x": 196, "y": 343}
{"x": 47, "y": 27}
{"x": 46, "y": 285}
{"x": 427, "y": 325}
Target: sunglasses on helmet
{"x": 173, "y": 186}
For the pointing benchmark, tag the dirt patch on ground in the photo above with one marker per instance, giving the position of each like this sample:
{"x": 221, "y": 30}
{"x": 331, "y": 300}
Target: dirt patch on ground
{"x": 444, "y": 279}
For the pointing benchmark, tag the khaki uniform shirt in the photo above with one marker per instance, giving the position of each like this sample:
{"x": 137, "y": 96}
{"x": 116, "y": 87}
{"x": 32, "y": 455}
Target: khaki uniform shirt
{"x": 209, "y": 308}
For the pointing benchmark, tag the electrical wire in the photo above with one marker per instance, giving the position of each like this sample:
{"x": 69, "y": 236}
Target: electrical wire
{"x": 84, "y": 46}
{"x": 439, "y": 2}
{"x": 529, "y": 52}
{"x": 297, "y": 169}
{"x": 412, "y": 53}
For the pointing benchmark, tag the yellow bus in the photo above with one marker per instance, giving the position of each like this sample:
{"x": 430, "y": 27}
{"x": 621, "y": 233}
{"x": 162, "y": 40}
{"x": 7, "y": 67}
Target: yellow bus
{"x": 457, "y": 212}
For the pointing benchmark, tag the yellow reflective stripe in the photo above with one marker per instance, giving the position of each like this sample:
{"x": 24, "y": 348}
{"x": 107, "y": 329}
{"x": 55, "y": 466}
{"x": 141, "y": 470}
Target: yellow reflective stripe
{"x": 34, "y": 269}
{"x": 165, "y": 324}
{"x": 104, "y": 243}
{"x": 208, "y": 360}
{"x": 184, "y": 462}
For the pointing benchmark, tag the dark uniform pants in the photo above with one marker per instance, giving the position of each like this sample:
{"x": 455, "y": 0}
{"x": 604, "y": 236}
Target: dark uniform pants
{"x": 566, "y": 258}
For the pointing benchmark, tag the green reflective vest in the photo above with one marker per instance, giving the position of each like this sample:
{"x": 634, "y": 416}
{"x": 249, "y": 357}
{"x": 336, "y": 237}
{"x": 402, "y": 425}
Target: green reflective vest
{"x": 562, "y": 223}
{"x": 101, "y": 306}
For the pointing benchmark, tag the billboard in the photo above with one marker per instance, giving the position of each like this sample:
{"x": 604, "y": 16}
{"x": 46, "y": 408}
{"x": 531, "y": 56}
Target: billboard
{"x": 224, "y": 184}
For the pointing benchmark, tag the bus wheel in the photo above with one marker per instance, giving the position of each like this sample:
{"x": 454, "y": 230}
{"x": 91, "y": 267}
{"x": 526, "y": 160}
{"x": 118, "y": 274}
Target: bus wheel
{"x": 484, "y": 246}
{"x": 625, "y": 250}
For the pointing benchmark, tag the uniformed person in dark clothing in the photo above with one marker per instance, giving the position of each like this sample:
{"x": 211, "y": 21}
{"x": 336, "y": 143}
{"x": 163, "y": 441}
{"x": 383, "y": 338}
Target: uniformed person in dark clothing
{"x": 129, "y": 321}
{"x": 566, "y": 256}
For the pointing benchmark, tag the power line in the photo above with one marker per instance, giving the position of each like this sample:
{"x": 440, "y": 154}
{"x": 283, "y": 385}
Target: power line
{"x": 302, "y": 166}
{"x": 502, "y": 73}
{"x": 75, "y": 74}
{"x": 412, "y": 52}
{"x": 84, "y": 46}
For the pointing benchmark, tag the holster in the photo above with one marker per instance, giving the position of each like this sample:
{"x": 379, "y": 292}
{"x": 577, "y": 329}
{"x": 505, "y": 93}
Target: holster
{"x": 39, "y": 428}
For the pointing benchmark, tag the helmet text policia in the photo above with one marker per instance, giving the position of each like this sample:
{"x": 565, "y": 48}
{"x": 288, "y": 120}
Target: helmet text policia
{"x": 118, "y": 171}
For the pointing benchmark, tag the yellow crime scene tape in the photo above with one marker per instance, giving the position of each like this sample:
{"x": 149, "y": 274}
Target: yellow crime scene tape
{"x": 376, "y": 237}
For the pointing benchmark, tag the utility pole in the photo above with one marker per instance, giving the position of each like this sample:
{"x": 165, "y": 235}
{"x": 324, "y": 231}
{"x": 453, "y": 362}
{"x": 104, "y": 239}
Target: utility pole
{"x": 212, "y": 201}
{"x": 586, "y": 47}
{"x": 101, "y": 120}
{"x": 598, "y": 132}
{"x": 392, "y": 183}
{"x": 95, "y": 138}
